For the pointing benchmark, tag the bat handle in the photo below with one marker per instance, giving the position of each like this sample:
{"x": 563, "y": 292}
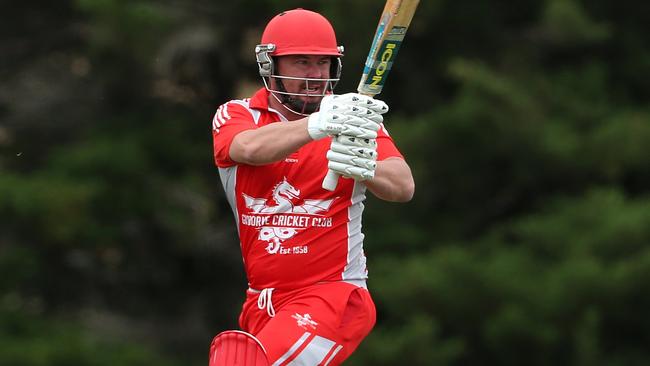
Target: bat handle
{"x": 331, "y": 180}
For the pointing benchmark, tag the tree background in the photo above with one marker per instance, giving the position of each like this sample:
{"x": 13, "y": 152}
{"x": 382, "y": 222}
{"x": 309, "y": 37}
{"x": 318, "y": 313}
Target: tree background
{"x": 526, "y": 124}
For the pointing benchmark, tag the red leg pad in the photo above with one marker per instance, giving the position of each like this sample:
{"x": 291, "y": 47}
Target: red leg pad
{"x": 237, "y": 348}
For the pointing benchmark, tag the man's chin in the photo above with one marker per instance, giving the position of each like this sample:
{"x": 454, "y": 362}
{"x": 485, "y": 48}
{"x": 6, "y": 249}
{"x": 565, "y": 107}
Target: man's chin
{"x": 304, "y": 107}
{"x": 311, "y": 107}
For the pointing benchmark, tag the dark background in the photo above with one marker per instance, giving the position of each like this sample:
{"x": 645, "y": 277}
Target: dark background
{"x": 526, "y": 123}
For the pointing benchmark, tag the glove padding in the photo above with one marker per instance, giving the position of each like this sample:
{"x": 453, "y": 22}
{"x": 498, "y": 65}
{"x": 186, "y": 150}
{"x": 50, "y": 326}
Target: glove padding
{"x": 371, "y": 104}
{"x": 348, "y": 114}
{"x": 353, "y": 157}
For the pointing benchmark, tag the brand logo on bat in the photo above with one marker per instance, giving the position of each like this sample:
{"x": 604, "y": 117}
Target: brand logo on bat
{"x": 378, "y": 74}
{"x": 383, "y": 65}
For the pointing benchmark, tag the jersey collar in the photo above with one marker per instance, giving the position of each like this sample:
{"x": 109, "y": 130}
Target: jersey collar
{"x": 260, "y": 100}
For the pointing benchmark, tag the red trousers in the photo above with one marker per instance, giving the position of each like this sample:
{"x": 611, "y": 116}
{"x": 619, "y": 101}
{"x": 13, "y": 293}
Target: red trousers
{"x": 317, "y": 325}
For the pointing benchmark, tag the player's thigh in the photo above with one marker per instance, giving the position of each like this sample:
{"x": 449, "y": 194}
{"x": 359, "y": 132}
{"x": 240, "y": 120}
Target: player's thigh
{"x": 357, "y": 321}
{"x": 315, "y": 332}
{"x": 299, "y": 339}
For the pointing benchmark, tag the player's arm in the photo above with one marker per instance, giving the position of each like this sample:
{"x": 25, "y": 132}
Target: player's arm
{"x": 393, "y": 181}
{"x": 269, "y": 143}
{"x": 389, "y": 179}
{"x": 350, "y": 114}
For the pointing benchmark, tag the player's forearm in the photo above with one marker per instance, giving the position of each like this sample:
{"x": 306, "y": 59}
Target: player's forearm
{"x": 269, "y": 143}
{"x": 393, "y": 181}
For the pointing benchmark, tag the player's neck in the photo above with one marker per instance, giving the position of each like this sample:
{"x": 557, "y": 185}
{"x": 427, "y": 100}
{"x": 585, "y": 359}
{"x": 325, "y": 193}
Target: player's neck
{"x": 282, "y": 109}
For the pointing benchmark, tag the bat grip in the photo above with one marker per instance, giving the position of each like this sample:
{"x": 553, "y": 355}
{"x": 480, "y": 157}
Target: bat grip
{"x": 331, "y": 180}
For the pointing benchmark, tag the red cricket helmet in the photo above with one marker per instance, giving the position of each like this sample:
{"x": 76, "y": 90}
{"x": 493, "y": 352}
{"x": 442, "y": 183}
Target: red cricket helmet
{"x": 301, "y": 32}
{"x": 298, "y": 32}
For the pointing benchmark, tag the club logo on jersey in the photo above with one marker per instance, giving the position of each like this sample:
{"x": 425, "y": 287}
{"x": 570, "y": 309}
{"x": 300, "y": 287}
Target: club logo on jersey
{"x": 283, "y": 215}
{"x": 304, "y": 321}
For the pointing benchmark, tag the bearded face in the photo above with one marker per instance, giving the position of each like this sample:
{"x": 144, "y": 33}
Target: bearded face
{"x": 301, "y": 81}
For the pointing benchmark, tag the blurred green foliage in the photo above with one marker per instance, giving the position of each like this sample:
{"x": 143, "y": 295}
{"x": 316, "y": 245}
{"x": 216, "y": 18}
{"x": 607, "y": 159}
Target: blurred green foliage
{"x": 36, "y": 341}
{"x": 526, "y": 124}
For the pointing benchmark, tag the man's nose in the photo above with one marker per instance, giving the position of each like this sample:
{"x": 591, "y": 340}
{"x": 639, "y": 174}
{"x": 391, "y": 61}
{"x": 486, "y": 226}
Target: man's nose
{"x": 315, "y": 71}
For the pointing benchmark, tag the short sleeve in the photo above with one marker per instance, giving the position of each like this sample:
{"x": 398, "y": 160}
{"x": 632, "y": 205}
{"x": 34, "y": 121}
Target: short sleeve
{"x": 230, "y": 119}
{"x": 386, "y": 146}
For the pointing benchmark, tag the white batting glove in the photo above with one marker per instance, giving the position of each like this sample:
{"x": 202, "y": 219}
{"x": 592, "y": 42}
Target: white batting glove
{"x": 371, "y": 105}
{"x": 349, "y": 114}
{"x": 353, "y": 157}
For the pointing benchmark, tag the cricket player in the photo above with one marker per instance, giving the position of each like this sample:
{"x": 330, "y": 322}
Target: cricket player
{"x": 302, "y": 246}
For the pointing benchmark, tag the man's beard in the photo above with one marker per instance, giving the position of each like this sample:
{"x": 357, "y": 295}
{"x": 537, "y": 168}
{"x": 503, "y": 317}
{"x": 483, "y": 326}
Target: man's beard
{"x": 300, "y": 105}
{"x": 297, "y": 105}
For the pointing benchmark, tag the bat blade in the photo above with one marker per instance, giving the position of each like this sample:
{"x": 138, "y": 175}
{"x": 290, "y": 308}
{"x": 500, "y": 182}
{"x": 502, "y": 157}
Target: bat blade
{"x": 392, "y": 27}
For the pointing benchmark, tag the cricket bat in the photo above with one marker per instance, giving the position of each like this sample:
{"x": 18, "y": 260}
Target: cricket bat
{"x": 394, "y": 22}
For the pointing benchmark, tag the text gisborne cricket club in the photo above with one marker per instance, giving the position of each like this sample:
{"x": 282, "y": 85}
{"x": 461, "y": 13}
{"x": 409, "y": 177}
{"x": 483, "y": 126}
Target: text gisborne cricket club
{"x": 283, "y": 215}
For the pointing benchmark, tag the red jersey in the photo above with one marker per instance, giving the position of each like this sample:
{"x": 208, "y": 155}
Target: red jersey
{"x": 292, "y": 232}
